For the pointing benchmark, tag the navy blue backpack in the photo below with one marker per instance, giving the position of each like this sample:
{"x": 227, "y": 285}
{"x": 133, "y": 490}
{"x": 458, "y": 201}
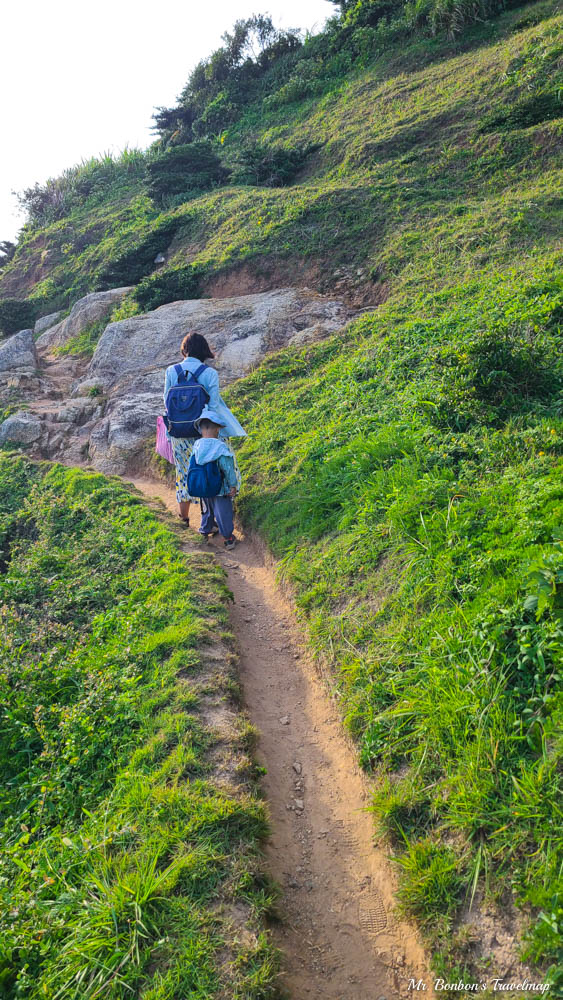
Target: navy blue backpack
{"x": 185, "y": 403}
{"x": 205, "y": 480}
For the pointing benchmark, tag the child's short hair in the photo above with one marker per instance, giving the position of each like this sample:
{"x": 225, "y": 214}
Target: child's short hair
{"x": 206, "y": 423}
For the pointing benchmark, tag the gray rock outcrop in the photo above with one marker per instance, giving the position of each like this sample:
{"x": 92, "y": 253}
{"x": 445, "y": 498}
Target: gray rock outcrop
{"x": 240, "y": 330}
{"x": 20, "y": 428}
{"x": 108, "y": 416}
{"x": 46, "y": 322}
{"x": 84, "y": 313}
{"x": 17, "y": 353}
{"x": 132, "y": 354}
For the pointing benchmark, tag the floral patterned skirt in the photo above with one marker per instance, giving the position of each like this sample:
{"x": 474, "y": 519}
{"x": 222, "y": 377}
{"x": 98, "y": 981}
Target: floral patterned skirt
{"x": 182, "y": 449}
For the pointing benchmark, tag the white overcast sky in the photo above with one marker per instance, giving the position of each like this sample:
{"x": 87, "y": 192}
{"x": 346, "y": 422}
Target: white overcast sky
{"x": 80, "y": 79}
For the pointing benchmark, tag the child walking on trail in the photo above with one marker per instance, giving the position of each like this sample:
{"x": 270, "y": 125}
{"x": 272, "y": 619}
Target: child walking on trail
{"x": 217, "y": 510}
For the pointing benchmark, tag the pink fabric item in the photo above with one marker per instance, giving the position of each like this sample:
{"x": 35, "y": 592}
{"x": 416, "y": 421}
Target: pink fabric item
{"x": 163, "y": 445}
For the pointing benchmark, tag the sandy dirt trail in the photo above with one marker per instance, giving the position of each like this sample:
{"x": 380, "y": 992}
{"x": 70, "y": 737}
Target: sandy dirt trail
{"x": 339, "y": 936}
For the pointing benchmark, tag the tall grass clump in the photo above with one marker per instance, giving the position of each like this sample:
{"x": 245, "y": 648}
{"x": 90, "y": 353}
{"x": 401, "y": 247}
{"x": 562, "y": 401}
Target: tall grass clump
{"x": 93, "y": 179}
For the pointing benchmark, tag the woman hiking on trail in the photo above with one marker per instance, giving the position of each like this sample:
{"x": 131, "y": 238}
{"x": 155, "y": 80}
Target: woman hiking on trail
{"x": 196, "y": 352}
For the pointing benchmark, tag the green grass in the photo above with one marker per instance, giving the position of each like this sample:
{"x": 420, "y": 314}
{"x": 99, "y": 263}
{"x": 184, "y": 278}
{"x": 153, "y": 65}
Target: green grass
{"x": 409, "y": 480}
{"x": 407, "y": 473}
{"x": 83, "y": 344}
{"x": 410, "y": 170}
{"x": 122, "y": 858}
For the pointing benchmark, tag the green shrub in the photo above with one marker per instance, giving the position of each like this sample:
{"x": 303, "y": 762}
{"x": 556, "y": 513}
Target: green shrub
{"x": 270, "y": 166}
{"x": 137, "y": 257}
{"x": 169, "y": 286}
{"x": 542, "y": 107}
{"x": 217, "y": 116}
{"x": 221, "y": 85}
{"x": 452, "y": 16}
{"x": 18, "y": 314}
{"x": 185, "y": 170}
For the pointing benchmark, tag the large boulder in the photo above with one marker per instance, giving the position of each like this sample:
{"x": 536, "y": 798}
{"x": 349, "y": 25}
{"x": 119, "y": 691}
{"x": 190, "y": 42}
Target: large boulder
{"x": 46, "y": 322}
{"x": 125, "y": 377}
{"x": 240, "y": 330}
{"x": 84, "y": 313}
{"x": 20, "y": 428}
{"x": 17, "y": 353}
{"x": 118, "y": 438}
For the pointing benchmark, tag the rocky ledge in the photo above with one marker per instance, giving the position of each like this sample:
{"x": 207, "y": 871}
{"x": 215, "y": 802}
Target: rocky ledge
{"x": 107, "y": 414}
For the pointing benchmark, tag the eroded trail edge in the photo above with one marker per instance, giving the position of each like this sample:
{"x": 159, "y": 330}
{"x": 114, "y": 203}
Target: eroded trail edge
{"x": 339, "y": 935}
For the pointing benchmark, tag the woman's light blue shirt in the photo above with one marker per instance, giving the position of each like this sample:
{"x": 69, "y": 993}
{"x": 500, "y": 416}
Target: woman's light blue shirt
{"x": 209, "y": 379}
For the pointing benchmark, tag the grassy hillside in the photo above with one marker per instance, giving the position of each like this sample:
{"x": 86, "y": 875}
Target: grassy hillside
{"x": 437, "y": 153}
{"x": 124, "y": 862}
{"x": 408, "y": 473}
{"x": 410, "y": 479}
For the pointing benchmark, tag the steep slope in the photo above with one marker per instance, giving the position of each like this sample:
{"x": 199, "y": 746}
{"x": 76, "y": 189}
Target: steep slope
{"x": 435, "y": 158}
{"x": 407, "y": 474}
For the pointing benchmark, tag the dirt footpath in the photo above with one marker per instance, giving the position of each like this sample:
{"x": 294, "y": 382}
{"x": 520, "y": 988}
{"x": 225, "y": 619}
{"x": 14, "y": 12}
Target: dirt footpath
{"x": 338, "y": 934}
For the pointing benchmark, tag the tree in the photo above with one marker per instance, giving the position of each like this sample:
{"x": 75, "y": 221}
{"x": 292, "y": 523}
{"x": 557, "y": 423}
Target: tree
{"x": 7, "y": 251}
{"x": 228, "y": 77}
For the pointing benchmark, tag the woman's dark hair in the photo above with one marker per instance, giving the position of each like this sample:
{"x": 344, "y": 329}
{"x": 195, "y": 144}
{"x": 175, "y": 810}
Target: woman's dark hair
{"x": 196, "y": 346}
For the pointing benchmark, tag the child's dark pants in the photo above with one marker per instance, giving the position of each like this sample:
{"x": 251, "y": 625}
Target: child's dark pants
{"x": 217, "y": 510}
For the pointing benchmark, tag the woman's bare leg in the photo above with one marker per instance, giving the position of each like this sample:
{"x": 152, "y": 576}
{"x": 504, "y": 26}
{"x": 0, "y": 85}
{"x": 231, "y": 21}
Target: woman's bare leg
{"x": 184, "y": 507}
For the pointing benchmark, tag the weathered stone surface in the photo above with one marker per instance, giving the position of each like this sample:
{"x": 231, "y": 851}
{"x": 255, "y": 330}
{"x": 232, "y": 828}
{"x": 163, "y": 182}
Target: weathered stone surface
{"x": 20, "y": 428}
{"x": 91, "y": 309}
{"x": 240, "y": 330}
{"x": 46, "y": 322}
{"x": 75, "y": 413}
{"x": 122, "y": 433}
{"x": 17, "y": 353}
{"x": 112, "y": 427}
{"x": 132, "y": 354}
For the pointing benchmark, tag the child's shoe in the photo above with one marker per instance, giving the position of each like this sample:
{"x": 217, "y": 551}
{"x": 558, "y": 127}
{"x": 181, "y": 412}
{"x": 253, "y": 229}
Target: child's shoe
{"x": 209, "y": 534}
{"x": 230, "y": 543}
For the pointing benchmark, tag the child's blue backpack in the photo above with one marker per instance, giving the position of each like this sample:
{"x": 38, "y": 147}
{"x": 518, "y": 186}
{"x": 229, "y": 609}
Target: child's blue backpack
{"x": 185, "y": 403}
{"x": 204, "y": 480}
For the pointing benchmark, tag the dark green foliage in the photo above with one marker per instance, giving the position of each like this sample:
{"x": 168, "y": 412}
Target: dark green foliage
{"x": 137, "y": 251}
{"x": 510, "y": 369}
{"x": 18, "y": 314}
{"x": 185, "y": 170}
{"x": 363, "y": 13}
{"x": 216, "y": 116}
{"x": 169, "y": 286}
{"x": 222, "y": 84}
{"x": 270, "y": 166}
{"x": 542, "y": 107}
